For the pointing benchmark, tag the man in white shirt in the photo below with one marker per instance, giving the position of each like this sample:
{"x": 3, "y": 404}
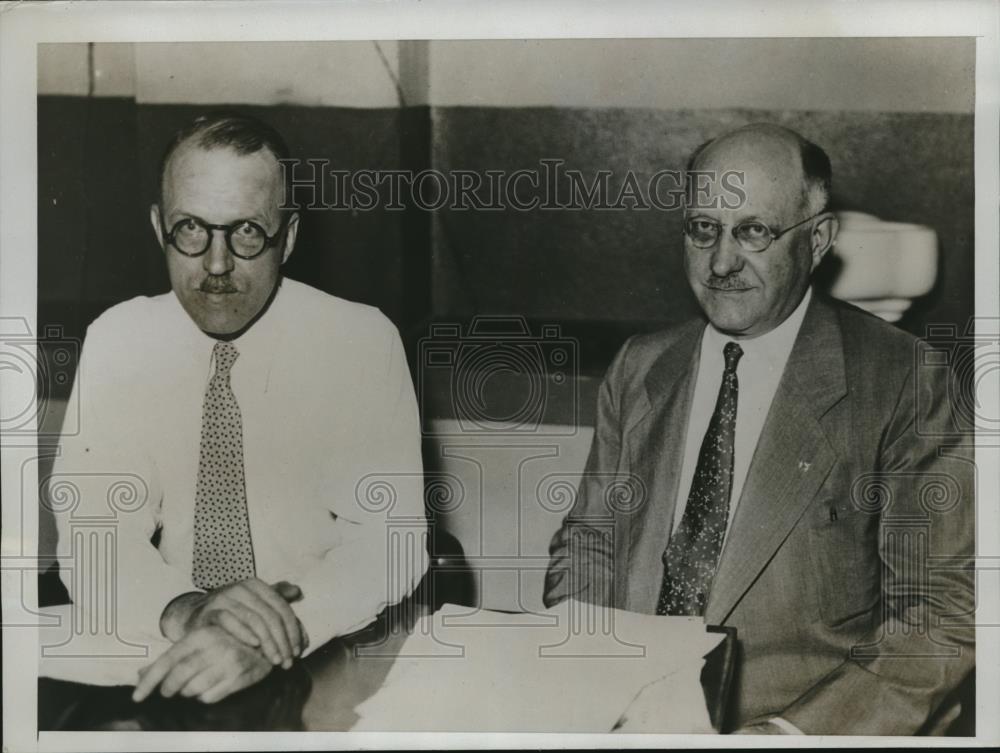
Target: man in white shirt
{"x": 798, "y": 471}
{"x": 258, "y": 420}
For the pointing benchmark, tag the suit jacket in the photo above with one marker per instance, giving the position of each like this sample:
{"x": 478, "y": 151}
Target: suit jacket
{"x": 847, "y": 566}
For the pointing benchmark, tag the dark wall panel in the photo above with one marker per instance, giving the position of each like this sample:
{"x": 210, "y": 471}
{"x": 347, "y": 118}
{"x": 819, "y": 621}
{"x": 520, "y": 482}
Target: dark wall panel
{"x": 94, "y": 241}
{"x": 625, "y": 266}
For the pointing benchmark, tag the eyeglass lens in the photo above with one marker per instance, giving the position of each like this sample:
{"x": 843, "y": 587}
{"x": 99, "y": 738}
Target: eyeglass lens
{"x": 752, "y": 236}
{"x": 245, "y": 239}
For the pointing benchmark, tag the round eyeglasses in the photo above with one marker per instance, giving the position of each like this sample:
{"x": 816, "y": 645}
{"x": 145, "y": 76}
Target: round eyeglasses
{"x": 752, "y": 236}
{"x": 245, "y": 239}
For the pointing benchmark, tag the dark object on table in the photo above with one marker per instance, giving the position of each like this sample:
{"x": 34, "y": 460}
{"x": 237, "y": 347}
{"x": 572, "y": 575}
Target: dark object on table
{"x": 51, "y": 590}
{"x": 717, "y": 676}
{"x": 449, "y": 579}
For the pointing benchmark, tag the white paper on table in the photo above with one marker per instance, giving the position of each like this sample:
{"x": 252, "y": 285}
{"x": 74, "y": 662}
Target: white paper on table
{"x": 573, "y": 668}
{"x": 687, "y": 713}
{"x": 91, "y": 657}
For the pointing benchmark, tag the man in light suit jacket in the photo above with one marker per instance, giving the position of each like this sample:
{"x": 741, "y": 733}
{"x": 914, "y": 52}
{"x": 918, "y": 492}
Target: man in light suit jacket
{"x": 795, "y": 468}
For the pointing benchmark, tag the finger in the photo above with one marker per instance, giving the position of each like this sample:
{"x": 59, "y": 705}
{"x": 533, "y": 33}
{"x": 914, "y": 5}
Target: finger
{"x": 217, "y": 692}
{"x": 260, "y": 628}
{"x": 181, "y": 673}
{"x": 305, "y": 636}
{"x": 278, "y": 601}
{"x": 249, "y": 595}
{"x": 287, "y": 591}
{"x": 151, "y": 675}
{"x": 234, "y": 683}
{"x": 236, "y": 628}
{"x": 289, "y": 622}
{"x": 279, "y": 617}
{"x": 199, "y": 683}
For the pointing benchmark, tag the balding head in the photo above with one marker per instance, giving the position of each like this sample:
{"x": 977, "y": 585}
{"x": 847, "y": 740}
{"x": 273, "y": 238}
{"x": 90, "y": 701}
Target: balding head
{"x": 807, "y": 164}
{"x": 749, "y": 262}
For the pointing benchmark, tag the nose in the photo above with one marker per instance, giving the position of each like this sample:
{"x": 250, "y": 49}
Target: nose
{"x": 218, "y": 260}
{"x": 726, "y": 257}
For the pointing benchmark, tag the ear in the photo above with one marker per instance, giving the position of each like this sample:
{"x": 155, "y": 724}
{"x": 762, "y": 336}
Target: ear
{"x": 291, "y": 233}
{"x": 824, "y": 236}
{"x": 154, "y": 220}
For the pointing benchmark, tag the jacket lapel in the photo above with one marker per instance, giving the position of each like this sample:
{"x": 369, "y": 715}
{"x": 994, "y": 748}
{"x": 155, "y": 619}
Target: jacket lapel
{"x": 792, "y": 459}
{"x": 654, "y": 442}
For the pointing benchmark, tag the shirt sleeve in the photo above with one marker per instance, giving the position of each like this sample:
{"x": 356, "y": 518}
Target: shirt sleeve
{"x": 383, "y": 554}
{"x": 105, "y": 496}
{"x": 785, "y": 726}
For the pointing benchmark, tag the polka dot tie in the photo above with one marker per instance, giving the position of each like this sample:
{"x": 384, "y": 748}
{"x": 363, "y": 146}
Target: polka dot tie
{"x": 692, "y": 555}
{"x": 223, "y": 552}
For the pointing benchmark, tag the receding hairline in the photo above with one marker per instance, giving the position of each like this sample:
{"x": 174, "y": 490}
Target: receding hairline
{"x": 243, "y": 134}
{"x": 814, "y": 163}
{"x": 277, "y": 175}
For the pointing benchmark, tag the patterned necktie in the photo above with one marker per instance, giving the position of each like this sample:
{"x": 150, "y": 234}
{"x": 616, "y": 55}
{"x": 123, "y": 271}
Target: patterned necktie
{"x": 692, "y": 555}
{"x": 223, "y": 552}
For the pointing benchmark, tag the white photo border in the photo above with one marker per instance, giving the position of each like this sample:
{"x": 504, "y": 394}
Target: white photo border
{"x": 24, "y": 25}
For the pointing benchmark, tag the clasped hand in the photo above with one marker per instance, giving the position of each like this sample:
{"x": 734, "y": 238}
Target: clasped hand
{"x": 207, "y": 663}
{"x": 225, "y": 640}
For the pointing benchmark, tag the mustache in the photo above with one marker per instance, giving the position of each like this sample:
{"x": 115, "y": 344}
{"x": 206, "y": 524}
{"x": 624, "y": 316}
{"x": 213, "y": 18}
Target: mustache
{"x": 218, "y": 284}
{"x": 733, "y": 282}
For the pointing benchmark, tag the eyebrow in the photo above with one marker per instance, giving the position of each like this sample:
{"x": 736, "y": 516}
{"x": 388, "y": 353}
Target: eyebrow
{"x": 180, "y": 214}
{"x": 751, "y": 218}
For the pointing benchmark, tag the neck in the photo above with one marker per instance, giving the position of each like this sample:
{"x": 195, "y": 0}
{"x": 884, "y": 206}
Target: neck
{"x": 230, "y": 336}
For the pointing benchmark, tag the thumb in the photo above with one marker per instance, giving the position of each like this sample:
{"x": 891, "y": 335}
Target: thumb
{"x": 288, "y": 591}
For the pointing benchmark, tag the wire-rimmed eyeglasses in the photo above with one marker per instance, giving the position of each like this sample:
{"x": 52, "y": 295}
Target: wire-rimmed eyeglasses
{"x": 752, "y": 235}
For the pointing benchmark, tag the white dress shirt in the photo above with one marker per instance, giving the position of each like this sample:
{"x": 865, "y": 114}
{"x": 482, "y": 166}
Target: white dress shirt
{"x": 331, "y": 456}
{"x": 758, "y": 372}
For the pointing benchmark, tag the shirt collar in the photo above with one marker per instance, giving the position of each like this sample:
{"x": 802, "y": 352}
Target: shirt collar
{"x": 256, "y": 340}
{"x": 773, "y": 347}
{"x": 262, "y": 330}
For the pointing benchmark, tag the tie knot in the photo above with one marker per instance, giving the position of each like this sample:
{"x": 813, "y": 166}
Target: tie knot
{"x": 732, "y": 353}
{"x": 225, "y": 356}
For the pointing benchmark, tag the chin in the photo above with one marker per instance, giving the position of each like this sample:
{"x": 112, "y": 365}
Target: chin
{"x": 218, "y": 326}
{"x": 726, "y": 320}
{"x": 734, "y": 328}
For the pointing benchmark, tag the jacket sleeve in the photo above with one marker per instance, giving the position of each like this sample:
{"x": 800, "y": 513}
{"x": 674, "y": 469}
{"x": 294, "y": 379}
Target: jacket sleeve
{"x": 895, "y": 682}
{"x": 581, "y": 553}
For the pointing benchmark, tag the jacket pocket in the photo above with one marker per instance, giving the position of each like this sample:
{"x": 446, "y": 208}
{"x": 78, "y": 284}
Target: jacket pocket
{"x": 846, "y": 567}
